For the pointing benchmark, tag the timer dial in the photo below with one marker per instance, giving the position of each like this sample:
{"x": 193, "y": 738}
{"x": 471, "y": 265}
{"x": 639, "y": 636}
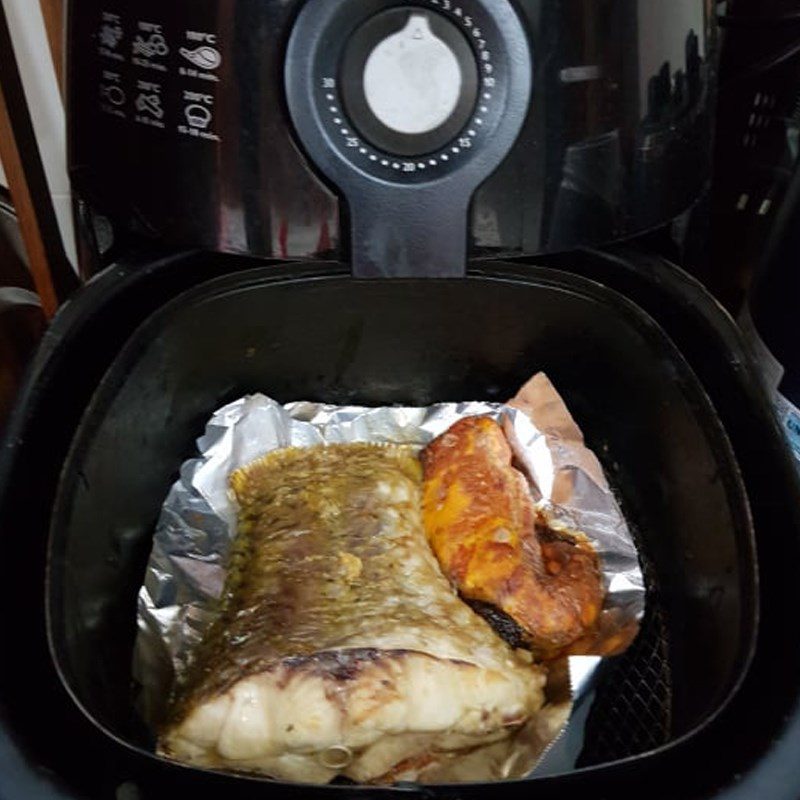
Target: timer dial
{"x": 407, "y": 108}
{"x": 409, "y": 81}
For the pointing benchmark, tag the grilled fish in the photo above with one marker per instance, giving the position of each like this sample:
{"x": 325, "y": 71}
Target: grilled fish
{"x": 540, "y": 587}
{"x": 340, "y": 648}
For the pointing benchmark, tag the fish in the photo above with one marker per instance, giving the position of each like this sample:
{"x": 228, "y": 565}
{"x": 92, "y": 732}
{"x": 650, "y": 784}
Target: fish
{"x": 339, "y": 647}
{"x": 540, "y": 585}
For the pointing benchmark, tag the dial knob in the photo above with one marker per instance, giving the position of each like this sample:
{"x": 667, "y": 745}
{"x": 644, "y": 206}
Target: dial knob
{"x": 412, "y": 79}
{"x": 409, "y": 80}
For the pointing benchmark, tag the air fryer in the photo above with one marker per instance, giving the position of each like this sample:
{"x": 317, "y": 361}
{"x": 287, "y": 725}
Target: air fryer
{"x": 542, "y": 127}
{"x": 210, "y": 140}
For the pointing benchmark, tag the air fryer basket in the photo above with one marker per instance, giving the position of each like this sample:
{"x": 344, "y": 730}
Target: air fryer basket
{"x": 315, "y": 334}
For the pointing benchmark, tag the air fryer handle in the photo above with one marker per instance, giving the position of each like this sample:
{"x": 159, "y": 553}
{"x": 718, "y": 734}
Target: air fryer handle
{"x": 409, "y": 214}
{"x": 404, "y": 232}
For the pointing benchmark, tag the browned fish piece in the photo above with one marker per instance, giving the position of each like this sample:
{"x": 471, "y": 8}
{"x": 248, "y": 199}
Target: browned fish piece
{"x": 340, "y": 647}
{"x": 540, "y": 585}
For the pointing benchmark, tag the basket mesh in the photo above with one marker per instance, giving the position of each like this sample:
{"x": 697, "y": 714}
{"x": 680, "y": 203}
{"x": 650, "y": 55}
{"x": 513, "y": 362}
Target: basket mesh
{"x": 631, "y": 713}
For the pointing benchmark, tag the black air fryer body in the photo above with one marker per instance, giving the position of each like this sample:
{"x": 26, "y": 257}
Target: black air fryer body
{"x": 613, "y": 130}
{"x": 278, "y": 200}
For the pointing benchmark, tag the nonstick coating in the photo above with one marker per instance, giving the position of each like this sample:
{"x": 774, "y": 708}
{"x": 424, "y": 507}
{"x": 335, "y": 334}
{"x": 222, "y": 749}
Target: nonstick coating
{"x": 316, "y": 334}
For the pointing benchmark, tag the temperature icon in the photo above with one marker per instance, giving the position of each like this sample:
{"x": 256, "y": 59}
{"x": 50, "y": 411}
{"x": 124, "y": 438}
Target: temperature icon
{"x": 110, "y": 35}
{"x": 198, "y": 116}
{"x": 155, "y": 45}
{"x": 113, "y": 94}
{"x": 150, "y": 104}
{"x": 203, "y": 57}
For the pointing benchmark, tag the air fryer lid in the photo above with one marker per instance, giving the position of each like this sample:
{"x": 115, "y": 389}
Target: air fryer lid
{"x": 183, "y": 128}
{"x": 325, "y": 337}
{"x": 407, "y": 110}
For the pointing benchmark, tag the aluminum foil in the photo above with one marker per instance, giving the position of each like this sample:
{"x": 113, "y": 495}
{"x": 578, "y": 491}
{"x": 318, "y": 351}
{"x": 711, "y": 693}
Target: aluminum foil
{"x": 186, "y": 570}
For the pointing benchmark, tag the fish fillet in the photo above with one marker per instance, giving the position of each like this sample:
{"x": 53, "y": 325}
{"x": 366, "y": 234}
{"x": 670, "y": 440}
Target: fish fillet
{"x": 340, "y": 648}
{"x": 541, "y": 587}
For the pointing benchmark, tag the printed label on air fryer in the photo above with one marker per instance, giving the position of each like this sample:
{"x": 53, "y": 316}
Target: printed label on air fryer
{"x": 200, "y": 55}
{"x": 198, "y": 110}
{"x": 156, "y": 76}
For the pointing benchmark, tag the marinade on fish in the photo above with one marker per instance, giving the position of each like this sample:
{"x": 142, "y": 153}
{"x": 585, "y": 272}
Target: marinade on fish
{"x": 340, "y": 648}
{"x": 540, "y": 586}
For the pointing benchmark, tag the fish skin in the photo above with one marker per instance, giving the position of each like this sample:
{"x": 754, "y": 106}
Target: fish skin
{"x": 334, "y": 598}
